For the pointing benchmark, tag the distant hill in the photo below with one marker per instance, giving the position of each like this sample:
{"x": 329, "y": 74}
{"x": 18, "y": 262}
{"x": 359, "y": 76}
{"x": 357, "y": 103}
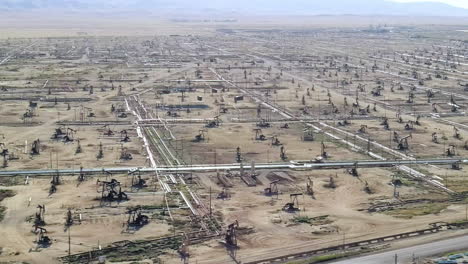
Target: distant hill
{"x": 244, "y": 7}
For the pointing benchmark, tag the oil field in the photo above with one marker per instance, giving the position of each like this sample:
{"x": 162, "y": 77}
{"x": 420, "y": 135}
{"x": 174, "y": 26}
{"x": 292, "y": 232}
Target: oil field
{"x": 223, "y": 142}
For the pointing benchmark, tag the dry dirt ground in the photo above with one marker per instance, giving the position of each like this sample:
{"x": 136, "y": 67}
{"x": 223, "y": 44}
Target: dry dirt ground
{"x": 180, "y": 83}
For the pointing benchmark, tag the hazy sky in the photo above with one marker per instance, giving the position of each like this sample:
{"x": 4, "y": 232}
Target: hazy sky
{"x": 460, "y": 3}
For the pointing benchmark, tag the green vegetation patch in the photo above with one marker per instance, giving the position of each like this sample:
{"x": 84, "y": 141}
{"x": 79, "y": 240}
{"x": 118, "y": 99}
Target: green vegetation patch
{"x": 3, "y": 195}
{"x": 419, "y": 210}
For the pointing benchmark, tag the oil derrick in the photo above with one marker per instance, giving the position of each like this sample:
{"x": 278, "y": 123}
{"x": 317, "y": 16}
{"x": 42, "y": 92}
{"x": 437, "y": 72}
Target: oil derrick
{"x": 434, "y": 108}
{"x": 238, "y": 155}
{"x": 367, "y": 188}
{"x": 124, "y": 136}
{"x": 396, "y": 184}
{"x": 435, "y": 139}
{"x": 223, "y": 195}
{"x": 124, "y": 154}
{"x": 81, "y": 176}
{"x": 53, "y": 184}
{"x": 39, "y": 219}
{"x": 200, "y": 137}
{"x": 293, "y": 204}
{"x": 78, "y": 147}
{"x": 184, "y": 250}
{"x": 42, "y": 239}
{"x": 410, "y": 99}
{"x": 263, "y": 123}
{"x": 112, "y": 191}
{"x": 456, "y": 133}
{"x": 275, "y": 141}
{"x": 385, "y": 124}
{"x": 323, "y": 151}
{"x": 353, "y": 171}
{"x": 331, "y": 183}
{"x": 310, "y": 187}
{"x": 417, "y": 120}
{"x": 363, "y": 129}
{"x": 283, "y": 153}
{"x": 231, "y": 235}
{"x": 451, "y": 151}
{"x": 258, "y": 134}
{"x": 136, "y": 219}
{"x": 396, "y": 137}
{"x": 4, "y": 153}
{"x": 272, "y": 189}
{"x": 403, "y": 143}
{"x": 100, "y": 154}
{"x": 137, "y": 181}
{"x": 36, "y": 147}
{"x": 69, "y": 218}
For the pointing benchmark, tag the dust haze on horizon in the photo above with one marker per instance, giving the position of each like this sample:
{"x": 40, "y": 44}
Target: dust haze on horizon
{"x": 250, "y": 7}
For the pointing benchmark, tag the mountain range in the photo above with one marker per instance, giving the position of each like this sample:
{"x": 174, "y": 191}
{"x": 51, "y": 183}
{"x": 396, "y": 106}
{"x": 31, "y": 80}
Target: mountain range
{"x": 242, "y": 7}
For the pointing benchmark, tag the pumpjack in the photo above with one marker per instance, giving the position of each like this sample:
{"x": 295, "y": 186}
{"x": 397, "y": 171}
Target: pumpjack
{"x": 263, "y": 123}
{"x": 124, "y": 136}
{"x": 275, "y": 141}
{"x": 39, "y": 216}
{"x": 293, "y": 205}
{"x": 112, "y": 191}
{"x": 200, "y": 137}
{"x": 385, "y": 124}
{"x": 258, "y": 134}
{"x": 273, "y": 189}
{"x": 224, "y": 194}
{"x": 136, "y": 219}
{"x": 213, "y": 123}
{"x": 124, "y": 154}
{"x": 403, "y": 143}
{"x": 42, "y": 239}
{"x": 451, "y": 151}
{"x": 353, "y": 171}
{"x": 137, "y": 181}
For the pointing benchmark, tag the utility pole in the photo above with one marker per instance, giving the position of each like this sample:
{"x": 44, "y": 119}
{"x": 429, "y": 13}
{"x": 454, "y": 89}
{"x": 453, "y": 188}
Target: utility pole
{"x": 69, "y": 244}
{"x": 396, "y": 259}
{"x": 210, "y": 203}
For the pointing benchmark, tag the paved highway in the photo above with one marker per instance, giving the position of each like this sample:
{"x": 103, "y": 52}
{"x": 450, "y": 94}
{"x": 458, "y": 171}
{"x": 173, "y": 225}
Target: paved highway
{"x": 405, "y": 255}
